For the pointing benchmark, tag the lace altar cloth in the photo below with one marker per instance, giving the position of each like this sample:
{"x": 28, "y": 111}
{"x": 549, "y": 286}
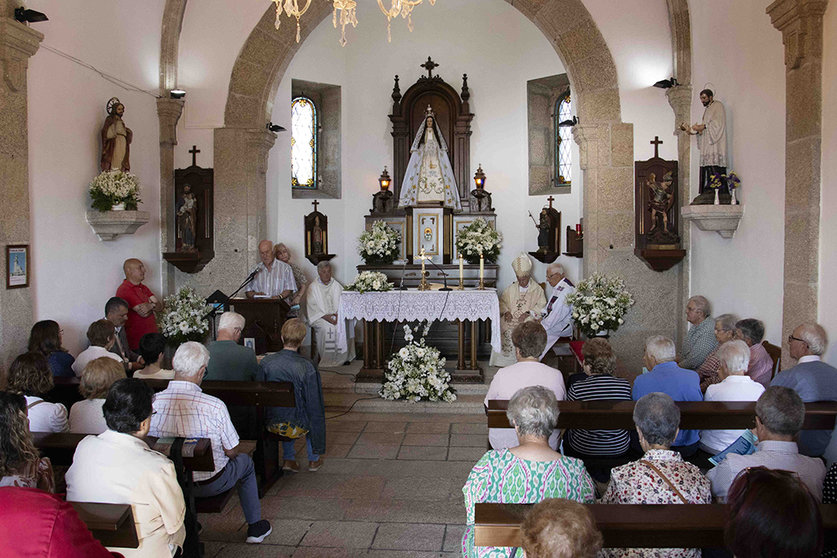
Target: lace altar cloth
{"x": 410, "y": 306}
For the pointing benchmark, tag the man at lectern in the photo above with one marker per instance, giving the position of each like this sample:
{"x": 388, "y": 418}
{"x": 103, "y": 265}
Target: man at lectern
{"x": 274, "y": 278}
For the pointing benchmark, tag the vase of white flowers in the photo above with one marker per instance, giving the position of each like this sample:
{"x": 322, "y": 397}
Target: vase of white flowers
{"x": 370, "y": 281}
{"x": 379, "y": 246}
{"x": 115, "y": 190}
{"x": 478, "y": 238}
{"x": 599, "y": 304}
{"x": 184, "y": 317}
{"x": 417, "y": 372}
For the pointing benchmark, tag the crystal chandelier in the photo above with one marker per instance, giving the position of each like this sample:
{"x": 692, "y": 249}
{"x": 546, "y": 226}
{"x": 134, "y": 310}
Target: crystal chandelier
{"x": 403, "y": 7}
{"x": 291, "y": 8}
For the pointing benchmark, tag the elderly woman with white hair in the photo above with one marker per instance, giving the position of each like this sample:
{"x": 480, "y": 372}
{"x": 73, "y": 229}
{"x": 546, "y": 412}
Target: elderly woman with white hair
{"x": 521, "y": 301}
{"x": 281, "y": 252}
{"x": 735, "y": 385}
{"x": 527, "y": 473}
{"x": 700, "y": 339}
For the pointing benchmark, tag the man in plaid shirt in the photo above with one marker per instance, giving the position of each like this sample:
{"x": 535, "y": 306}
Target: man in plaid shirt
{"x": 182, "y": 409}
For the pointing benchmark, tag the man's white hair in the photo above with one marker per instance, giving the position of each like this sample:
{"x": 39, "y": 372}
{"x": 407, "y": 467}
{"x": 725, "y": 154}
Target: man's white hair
{"x": 230, "y": 321}
{"x": 702, "y": 303}
{"x": 190, "y": 358}
{"x": 660, "y": 348}
{"x": 736, "y": 357}
{"x": 323, "y": 264}
{"x": 552, "y": 268}
{"x": 815, "y": 336}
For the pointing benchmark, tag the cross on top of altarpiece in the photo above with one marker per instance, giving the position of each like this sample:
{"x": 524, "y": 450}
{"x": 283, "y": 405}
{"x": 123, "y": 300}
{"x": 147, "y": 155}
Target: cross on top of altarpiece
{"x": 194, "y": 151}
{"x": 656, "y": 143}
{"x": 429, "y": 66}
{"x": 315, "y": 203}
{"x": 550, "y": 199}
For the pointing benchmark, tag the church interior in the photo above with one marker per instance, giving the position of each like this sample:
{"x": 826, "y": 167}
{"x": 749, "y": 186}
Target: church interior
{"x": 391, "y": 484}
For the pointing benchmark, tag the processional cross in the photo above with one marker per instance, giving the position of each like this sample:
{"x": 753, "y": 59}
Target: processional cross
{"x": 194, "y": 151}
{"x": 656, "y": 143}
{"x": 429, "y": 65}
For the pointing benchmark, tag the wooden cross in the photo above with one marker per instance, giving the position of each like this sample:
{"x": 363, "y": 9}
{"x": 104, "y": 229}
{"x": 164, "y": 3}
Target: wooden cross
{"x": 656, "y": 143}
{"x": 550, "y": 199}
{"x": 429, "y": 65}
{"x": 194, "y": 151}
{"x": 315, "y": 203}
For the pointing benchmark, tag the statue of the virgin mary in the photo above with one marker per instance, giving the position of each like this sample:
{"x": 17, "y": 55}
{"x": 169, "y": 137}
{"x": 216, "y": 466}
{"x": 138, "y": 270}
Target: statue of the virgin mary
{"x": 429, "y": 176}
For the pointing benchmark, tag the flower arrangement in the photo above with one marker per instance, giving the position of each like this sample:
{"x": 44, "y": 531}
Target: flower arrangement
{"x": 717, "y": 182}
{"x": 183, "y": 318}
{"x": 370, "y": 281}
{"x": 379, "y": 246}
{"x": 112, "y": 188}
{"x": 417, "y": 372}
{"x": 599, "y": 303}
{"x": 478, "y": 238}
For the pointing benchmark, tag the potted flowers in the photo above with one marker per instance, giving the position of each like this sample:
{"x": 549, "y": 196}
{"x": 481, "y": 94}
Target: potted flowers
{"x": 478, "y": 238}
{"x": 379, "y": 246}
{"x": 599, "y": 304}
{"x": 184, "y": 317}
{"x": 417, "y": 372}
{"x": 370, "y": 281}
{"x": 115, "y": 191}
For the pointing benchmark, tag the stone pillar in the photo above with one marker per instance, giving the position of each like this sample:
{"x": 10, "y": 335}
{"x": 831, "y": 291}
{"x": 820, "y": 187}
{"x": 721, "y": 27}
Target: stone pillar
{"x": 800, "y": 22}
{"x": 168, "y": 112}
{"x": 17, "y": 43}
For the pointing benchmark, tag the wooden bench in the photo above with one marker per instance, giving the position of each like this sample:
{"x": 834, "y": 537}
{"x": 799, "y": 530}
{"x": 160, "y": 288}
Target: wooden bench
{"x": 110, "y": 524}
{"x": 630, "y": 525}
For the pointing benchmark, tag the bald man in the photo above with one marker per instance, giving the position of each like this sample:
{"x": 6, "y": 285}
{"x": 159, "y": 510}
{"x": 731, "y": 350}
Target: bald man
{"x": 274, "y": 278}
{"x": 141, "y": 302}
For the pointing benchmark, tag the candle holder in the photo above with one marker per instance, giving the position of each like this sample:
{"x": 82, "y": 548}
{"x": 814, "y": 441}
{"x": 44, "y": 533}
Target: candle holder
{"x": 424, "y": 285}
{"x": 482, "y": 284}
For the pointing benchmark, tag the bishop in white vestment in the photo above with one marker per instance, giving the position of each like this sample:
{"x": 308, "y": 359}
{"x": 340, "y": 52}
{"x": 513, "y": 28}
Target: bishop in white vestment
{"x": 323, "y": 299}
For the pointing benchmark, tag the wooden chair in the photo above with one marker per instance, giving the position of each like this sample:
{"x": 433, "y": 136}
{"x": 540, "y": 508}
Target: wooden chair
{"x": 775, "y": 355}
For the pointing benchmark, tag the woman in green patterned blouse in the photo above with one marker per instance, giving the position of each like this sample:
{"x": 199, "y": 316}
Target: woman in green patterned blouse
{"x": 527, "y": 473}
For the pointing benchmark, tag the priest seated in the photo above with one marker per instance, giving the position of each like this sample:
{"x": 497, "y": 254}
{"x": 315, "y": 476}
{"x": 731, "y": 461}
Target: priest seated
{"x": 323, "y": 300}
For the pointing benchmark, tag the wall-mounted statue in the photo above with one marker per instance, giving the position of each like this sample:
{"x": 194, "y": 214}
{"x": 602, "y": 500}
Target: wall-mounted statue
{"x": 548, "y": 225}
{"x": 187, "y": 210}
{"x": 711, "y": 134}
{"x": 116, "y": 139}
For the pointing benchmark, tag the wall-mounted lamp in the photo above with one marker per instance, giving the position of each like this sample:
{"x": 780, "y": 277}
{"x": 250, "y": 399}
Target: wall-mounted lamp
{"x": 569, "y": 121}
{"x": 667, "y": 83}
{"x": 177, "y": 93}
{"x": 479, "y": 178}
{"x": 29, "y": 16}
{"x": 384, "y": 180}
{"x": 274, "y": 127}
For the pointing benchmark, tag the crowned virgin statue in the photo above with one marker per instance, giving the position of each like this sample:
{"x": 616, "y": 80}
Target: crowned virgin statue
{"x": 429, "y": 176}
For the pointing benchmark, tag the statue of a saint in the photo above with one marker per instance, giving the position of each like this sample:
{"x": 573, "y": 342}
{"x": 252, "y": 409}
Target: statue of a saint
{"x": 711, "y": 135}
{"x": 317, "y": 244}
{"x": 116, "y": 139}
{"x": 544, "y": 226}
{"x": 187, "y": 209}
{"x": 429, "y": 176}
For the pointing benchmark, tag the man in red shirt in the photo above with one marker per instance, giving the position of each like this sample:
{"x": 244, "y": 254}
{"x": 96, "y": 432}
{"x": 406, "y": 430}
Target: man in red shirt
{"x": 141, "y": 300}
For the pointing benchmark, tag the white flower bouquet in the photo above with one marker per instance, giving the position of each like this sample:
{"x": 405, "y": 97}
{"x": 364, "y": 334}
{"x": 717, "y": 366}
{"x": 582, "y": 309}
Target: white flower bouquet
{"x": 379, "y": 246}
{"x": 183, "y": 318}
{"x": 479, "y": 238}
{"x": 417, "y": 372}
{"x": 370, "y": 281}
{"x": 114, "y": 187}
{"x": 599, "y": 304}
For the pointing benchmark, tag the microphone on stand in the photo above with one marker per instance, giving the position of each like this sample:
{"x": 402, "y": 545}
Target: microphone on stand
{"x": 247, "y": 281}
{"x": 442, "y": 273}
{"x": 401, "y": 286}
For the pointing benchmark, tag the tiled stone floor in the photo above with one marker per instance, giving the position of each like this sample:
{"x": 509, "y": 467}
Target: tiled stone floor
{"x": 391, "y": 485}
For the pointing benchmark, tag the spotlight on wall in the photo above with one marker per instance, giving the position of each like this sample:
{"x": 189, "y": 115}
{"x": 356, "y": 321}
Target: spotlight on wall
{"x": 667, "y": 83}
{"x": 29, "y": 16}
{"x": 275, "y": 127}
{"x": 177, "y": 93}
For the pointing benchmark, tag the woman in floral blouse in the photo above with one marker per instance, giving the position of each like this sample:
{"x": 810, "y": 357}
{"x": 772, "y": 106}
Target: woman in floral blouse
{"x": 20, "y": 464}
{"x": 661, "y": 476}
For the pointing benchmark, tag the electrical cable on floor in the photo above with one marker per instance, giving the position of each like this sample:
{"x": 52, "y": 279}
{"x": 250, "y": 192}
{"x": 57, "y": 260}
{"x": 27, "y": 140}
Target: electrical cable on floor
{"x": 352, "y": 407}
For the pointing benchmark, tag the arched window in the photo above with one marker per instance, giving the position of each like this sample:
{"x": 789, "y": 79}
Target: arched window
{"x": 303, "y": 143}
{"x": 563, "y": 139}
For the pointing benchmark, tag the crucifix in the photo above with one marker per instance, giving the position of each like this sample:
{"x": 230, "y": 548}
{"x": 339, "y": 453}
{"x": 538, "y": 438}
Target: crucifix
{"x": 429, "y": 65}
{"x": 656, "y": 143}
{"x": 315, "y": 203}
{"x": 194, "y": 151}
{"x": 550, "y": 199}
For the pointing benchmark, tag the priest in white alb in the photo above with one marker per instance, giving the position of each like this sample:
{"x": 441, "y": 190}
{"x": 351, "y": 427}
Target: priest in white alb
{"x": 323, "y": 299}
{"x": 520, "y": 302}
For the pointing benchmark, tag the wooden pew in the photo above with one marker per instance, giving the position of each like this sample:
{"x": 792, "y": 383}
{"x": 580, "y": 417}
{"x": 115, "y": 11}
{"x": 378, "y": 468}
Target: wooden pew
{"x": 630, "y": 525}
{"x": 697, "y": 415}
{"x": 111, "y": 524}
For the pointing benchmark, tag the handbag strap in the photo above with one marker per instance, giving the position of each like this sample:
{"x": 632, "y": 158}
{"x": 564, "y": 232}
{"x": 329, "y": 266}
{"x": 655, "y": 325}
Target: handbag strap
{"x": 665, "y": 479}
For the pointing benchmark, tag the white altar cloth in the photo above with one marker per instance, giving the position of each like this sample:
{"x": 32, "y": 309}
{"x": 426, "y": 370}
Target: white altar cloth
{"x": 412, "y": 305}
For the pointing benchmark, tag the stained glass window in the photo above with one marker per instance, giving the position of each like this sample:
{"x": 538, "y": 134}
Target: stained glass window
{"x": 303, "y": 143}
{"x": 563, "y": 139}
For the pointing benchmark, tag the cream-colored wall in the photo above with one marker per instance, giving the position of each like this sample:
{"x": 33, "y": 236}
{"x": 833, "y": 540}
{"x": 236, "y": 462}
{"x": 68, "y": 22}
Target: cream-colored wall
{"x": 828, "y": 221}
{"x": 73, "y": 273}
{"x": 739, "y": 55}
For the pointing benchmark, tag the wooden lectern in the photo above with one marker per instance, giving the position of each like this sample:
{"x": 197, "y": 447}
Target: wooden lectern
{"x": 265, "y": 317}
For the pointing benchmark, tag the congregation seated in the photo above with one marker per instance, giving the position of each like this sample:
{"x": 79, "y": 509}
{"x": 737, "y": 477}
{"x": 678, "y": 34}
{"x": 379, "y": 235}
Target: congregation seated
{"x": 557, "y": 315}
{"x": 700, "y": 339}
{"x": 811, "y": 378}
{"x": 322, "y": 302}
{"x": 751, "y": 331}
{"x": 102, "y": 335}
{"x": 36, "y": 523}
{"x": 735, "y": 385}
{"x": 780, "y": 413}
{"x": 560, "y": 528}
{"x": 528, "y": 339}
{"x": 598, "y": 383}
{"x": 307, "y": 418}
{"x": 182, "y": 409}
{"x": 118, "y": 467}
{"x": 20, "y": 464}
{"x": 661, "y": 476}
{"x": 152, "y": 348}
{"x": 528, "y": 472}
{"x": 46, "y": 338}
{"x": 116, "y": 312}
{"x": 29, "y": 376}
{"x": 520, "y": 302}
{"x": 227, "y": 359}
{"x": 86, "y": 416}
{"x": 281, "y": 252}
{"x": 772, "y": 515}
{"x": 724, "y": 331}
{"x": 667, "y": 377}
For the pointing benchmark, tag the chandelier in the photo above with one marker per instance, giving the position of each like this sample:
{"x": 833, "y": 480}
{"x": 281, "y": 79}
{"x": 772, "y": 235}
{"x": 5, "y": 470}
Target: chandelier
{"x": 345, "y": 13}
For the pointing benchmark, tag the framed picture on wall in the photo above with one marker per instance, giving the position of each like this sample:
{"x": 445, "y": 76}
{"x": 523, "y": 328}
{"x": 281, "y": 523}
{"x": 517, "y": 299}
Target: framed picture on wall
{"x": 17, "y": 266}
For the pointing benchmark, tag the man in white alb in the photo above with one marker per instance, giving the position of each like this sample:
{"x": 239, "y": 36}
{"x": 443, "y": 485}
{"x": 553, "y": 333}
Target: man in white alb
{"x": 711, "y": 135}
{"x": 322, "y": 300}
{"x": 274, "y": 278}
{"x": 558, "y": 315}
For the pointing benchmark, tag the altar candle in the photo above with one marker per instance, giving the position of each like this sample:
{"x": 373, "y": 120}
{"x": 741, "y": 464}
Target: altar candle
{"x": 482, "y": 266}
{"x": 422, "y": 262}
{"x": 461, "y": 269}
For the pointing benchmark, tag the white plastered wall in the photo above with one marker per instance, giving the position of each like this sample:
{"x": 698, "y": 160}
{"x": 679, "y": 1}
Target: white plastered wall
{"x": 828, "y": 221}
